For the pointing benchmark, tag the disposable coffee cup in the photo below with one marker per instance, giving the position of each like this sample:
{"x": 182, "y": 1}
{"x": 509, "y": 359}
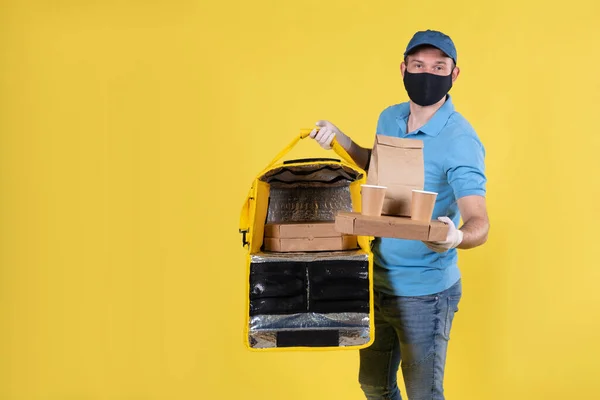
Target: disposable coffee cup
{"x": 372, "y": 197}
{"x": 421, "y": 207}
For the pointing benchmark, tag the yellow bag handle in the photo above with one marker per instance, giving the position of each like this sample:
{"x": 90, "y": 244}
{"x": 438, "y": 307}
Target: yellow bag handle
{"x": 304, "y": 133}
{"x": 339, "y": 150}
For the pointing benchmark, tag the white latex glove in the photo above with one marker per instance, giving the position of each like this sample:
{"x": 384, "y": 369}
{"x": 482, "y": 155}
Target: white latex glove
{"x": 453, "y": 239}
{"x": 325, "y": 134}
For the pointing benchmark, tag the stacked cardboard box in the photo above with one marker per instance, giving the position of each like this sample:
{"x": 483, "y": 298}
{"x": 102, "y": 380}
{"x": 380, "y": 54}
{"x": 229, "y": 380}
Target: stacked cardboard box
{"x": 317, "y": 236}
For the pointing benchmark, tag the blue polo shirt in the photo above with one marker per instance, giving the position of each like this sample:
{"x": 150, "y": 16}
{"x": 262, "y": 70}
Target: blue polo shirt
{"x": 454, "y": 167}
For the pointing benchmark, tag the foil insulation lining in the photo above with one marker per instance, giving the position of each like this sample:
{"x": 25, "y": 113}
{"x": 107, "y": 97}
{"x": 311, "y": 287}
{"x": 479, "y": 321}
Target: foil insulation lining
{"x": 300, "y": 204}
{"x": 309, "y": 320}
{"x": 347, "y": 255}
{"x": 310, "y": 192}
{"x": 352, "y": 328}
{"x": 346, "y": 337}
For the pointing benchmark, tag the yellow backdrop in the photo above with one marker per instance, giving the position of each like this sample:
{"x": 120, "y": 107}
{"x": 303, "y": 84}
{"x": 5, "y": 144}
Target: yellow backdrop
{"x": 130, "y": 133}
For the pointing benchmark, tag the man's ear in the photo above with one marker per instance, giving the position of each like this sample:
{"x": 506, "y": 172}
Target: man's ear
{"x": 402, "y": 68}
{"x": 455, "y": 73}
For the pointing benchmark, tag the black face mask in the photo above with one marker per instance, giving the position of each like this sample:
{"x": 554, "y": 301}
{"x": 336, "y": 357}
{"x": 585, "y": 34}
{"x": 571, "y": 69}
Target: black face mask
{"x": 426, "y": 89}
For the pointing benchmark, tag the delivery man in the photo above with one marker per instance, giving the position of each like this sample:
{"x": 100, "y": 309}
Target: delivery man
{"x": 417, "y": 285}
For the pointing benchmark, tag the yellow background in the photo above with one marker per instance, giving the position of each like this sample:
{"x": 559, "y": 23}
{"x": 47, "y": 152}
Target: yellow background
{"x": 131, "y": 131}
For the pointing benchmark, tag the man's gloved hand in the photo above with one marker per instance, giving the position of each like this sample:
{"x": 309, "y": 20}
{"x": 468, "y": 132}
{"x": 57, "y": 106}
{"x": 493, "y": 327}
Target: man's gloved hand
{"x": 325, "y": 134}
{"x": 453, "y": 239}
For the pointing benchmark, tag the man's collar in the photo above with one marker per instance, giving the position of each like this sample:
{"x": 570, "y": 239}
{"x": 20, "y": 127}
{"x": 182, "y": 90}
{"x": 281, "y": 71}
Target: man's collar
{"x": 437, "y": 122}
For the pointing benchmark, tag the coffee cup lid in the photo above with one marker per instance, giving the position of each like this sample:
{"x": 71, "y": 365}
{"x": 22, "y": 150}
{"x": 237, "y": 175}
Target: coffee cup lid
{"x": 375, "y": 186}
{"x": 423, "y": 191}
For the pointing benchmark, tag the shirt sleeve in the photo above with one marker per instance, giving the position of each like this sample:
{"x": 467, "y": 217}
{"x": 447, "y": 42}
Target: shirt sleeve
{"x": 380, "y": 123}
{"x": 465, "y": 167}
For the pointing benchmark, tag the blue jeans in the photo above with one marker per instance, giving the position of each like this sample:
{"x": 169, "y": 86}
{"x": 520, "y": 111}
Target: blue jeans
{"x": 416, "y": 331}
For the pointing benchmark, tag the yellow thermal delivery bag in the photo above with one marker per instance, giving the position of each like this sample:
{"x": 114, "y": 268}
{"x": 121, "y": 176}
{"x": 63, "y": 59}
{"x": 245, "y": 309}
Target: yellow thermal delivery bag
{"x": 306, "y": 300}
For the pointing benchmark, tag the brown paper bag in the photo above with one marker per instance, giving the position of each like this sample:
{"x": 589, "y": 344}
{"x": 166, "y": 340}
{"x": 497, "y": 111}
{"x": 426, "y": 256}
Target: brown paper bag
{"x": 398, "y": 164}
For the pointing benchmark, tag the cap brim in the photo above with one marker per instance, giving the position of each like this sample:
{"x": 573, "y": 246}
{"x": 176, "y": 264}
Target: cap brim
{"x": 426, "y": 42}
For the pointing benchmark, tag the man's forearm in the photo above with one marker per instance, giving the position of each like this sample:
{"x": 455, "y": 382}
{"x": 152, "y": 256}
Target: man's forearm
{"x": 475, "y": 233}
{"x": 360, "y": 155}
